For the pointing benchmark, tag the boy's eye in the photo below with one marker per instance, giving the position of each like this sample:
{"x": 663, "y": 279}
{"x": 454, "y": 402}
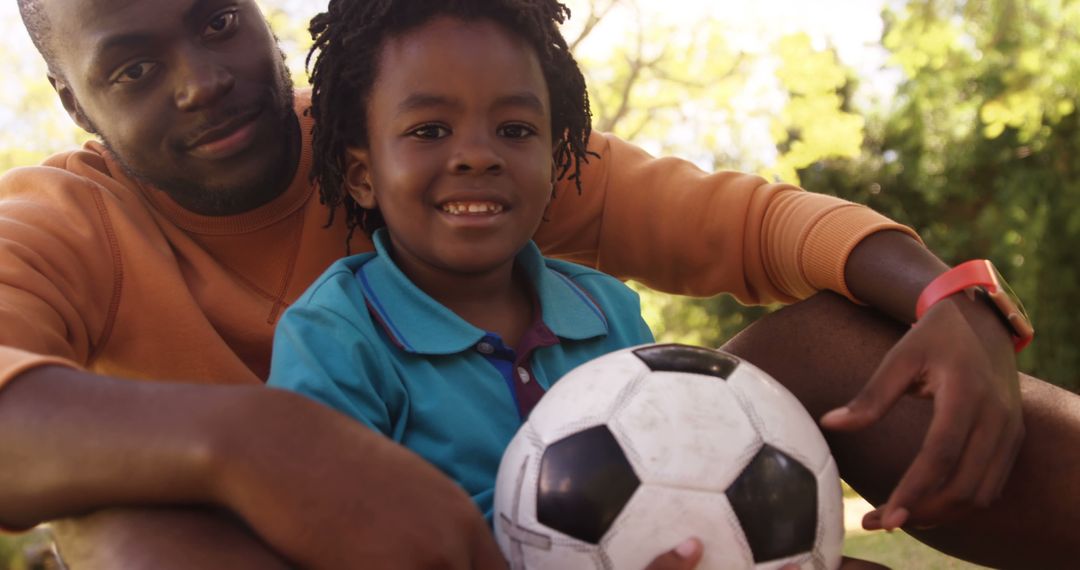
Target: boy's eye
{"x": 516, "y": 131}
{"x": 133, "y": 73}
{"x": 429, "y": 132}
{"x": 222, "y": 23}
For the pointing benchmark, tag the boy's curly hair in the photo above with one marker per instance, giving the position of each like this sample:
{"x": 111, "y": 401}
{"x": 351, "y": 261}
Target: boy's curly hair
{"x": 343, "y": 64}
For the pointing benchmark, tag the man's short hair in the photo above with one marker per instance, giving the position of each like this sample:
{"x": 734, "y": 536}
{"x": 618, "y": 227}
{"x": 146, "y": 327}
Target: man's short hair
{"x": 38, "y": 26}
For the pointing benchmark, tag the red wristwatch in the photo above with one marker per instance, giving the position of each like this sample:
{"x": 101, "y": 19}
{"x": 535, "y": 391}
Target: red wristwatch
{"x": 982, "y": 279}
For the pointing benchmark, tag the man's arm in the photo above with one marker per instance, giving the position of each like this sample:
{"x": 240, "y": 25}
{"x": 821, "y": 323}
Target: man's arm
{"x": 670, "y": 225}
{"x": 83, "y": 442}
{"x": 290, "y": 468}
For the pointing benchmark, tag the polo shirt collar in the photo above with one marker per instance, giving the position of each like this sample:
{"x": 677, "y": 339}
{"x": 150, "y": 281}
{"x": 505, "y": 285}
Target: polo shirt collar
{"x": 417, "y": 323}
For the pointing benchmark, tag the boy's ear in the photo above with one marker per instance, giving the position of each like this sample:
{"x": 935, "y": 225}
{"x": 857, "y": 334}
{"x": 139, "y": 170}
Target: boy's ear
{"x": 71, "y": 104}
{"x": 358, "y": 178}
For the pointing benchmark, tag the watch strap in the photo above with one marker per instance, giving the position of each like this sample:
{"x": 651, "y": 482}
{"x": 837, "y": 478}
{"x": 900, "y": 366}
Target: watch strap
{"x": 972, "y": 273}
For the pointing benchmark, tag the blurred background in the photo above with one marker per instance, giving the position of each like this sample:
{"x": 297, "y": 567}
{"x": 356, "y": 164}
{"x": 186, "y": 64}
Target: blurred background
{"x": 955, "y": 117}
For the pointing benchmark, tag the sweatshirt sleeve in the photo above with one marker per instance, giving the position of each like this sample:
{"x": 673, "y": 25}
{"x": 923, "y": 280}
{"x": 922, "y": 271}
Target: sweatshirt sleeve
{"x": 59, "y": 270}
{"x": 666, "y": 223}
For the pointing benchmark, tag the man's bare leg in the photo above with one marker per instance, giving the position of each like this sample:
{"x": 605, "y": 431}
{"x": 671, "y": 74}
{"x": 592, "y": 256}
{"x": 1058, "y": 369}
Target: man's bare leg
{"x": 825, "y": 348}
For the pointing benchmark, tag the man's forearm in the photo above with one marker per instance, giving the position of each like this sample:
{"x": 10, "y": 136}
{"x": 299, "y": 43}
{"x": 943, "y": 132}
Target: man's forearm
{"x": 888, "y": 270}
{"x": 73, "y": 442}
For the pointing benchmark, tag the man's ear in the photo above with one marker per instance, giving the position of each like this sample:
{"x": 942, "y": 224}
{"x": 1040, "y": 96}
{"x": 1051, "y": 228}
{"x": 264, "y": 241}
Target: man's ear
{"x": 358, "y": 178}
{"x": 71, "y": 104}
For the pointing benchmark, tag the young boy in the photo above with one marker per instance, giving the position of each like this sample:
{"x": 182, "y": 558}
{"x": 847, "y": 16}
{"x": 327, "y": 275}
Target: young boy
{"x": 446, "y": 336}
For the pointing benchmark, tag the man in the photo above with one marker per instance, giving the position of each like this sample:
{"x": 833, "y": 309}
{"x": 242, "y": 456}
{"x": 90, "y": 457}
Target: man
{"x": 169, "y": 252}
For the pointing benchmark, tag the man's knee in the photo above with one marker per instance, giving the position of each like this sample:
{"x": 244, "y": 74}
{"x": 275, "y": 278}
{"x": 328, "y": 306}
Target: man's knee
{"x": 822, "y": 346}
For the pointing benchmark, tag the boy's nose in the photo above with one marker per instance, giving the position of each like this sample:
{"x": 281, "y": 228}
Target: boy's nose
{"x": 476, "y": 155}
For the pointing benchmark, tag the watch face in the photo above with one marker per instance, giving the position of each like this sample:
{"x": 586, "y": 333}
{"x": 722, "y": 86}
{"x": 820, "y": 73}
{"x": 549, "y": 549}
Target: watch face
{"x": 1012, "y": 310}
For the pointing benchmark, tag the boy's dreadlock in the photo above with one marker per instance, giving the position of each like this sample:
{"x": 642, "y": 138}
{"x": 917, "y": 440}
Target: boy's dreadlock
{"x": 348, "y": 38}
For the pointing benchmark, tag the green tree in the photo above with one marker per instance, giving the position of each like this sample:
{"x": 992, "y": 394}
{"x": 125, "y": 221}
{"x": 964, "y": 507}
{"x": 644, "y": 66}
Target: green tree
{"x": 684, "y": 90}
{"x": 979, "y": 152}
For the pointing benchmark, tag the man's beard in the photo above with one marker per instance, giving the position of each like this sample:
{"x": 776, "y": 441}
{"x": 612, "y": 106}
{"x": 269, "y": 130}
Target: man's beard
{"x": 204, "y": 197}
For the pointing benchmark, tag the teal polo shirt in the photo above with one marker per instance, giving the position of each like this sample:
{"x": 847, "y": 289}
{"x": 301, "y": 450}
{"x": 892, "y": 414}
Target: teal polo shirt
{"x": 366, "y": 341}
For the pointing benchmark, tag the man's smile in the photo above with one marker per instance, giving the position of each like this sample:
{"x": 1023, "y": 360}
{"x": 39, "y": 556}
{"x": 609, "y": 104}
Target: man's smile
{"x": 227, "y": 138}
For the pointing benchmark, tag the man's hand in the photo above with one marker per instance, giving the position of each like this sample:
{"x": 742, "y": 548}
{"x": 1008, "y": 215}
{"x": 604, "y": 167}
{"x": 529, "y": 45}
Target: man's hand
{"x": 959, "y": 355}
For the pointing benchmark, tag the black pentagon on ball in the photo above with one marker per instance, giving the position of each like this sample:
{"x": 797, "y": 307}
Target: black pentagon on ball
{"x": 775, "y": 499}
{"x": 684, "y": 358}
{"x": 585, "y": 481}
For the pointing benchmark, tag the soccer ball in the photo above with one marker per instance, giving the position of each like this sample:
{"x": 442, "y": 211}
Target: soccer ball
{"x": 633, "y": 452}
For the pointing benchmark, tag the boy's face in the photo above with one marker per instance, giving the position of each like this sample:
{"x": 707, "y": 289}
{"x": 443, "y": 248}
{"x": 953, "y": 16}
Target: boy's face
{"x": 191, "y": 95}
{"x": 460, "y": 158}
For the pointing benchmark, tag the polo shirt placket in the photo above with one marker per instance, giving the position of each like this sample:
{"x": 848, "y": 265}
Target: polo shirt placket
{"x": 515, "y": 365}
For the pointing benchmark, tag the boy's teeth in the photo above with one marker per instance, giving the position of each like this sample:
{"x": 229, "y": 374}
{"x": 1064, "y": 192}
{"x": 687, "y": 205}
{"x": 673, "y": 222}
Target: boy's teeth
{"x": 458, "y": 208}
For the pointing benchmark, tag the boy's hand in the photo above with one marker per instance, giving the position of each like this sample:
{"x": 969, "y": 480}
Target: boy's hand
{"x": 685, "y": 556}
{"x": 688, "y": 555}
{"x": 960, "y": 355}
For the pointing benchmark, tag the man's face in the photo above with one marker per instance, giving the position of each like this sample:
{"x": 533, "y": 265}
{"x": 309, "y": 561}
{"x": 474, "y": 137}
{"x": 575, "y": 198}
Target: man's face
{"x": 190, "y": 95}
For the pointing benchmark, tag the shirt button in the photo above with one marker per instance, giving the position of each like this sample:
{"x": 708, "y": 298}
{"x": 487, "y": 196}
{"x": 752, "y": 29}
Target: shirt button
{"x": 523, "y": 374}
{"x": 485, "y": 348}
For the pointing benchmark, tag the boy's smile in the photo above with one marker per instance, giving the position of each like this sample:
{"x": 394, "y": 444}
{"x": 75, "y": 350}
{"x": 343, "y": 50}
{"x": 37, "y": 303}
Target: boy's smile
{"x": 471, "y": 208}
{"x": 459, "y": 162}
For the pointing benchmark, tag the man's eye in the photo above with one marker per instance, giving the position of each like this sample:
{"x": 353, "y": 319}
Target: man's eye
{"x": 133, "y": 73}
{"x": 429, "y": 132}
{"x": 516, "y": 131}
{"x": 221, "y": 23}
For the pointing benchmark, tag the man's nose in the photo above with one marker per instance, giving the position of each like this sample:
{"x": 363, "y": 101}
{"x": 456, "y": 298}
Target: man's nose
{"x": 200, "y": 82}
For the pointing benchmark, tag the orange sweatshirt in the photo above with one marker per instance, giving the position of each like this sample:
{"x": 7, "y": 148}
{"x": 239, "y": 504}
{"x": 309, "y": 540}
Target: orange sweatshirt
{"x": 100, "y": 272}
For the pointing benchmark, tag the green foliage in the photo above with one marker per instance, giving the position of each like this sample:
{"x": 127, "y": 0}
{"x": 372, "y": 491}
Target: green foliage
{"x": 814, "y": 125}
{"x": 290, "y": 27}
{"x": 979, "y": 152}
{"x": 702, "y": 322}
{"x": 26, "y": 551}
{"x": 663, "y": 78}
{"x": 682, "y": 89}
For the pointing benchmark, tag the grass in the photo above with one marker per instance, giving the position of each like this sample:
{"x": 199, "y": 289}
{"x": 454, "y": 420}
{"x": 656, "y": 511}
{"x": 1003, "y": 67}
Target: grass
{"x": 896, "y": 550}
{"x": 23, "y": 551}
{"x": 900, "y": 550}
